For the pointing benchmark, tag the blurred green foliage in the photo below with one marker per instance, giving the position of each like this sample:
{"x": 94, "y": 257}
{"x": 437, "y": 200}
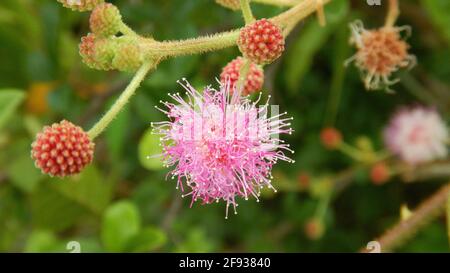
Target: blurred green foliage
{"x": 123, "y": 203}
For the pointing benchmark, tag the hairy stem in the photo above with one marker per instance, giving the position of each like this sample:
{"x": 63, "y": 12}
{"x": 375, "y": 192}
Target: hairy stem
{"x": 122, "y": 100}
{"x": 247, "y": 11}
{"x": 190, "y": 46}
{"x": 392, "y": 14}
{"x": 126, "y": 30}
{"x": 165, "y": 49}
{"x": 405, "y": 229}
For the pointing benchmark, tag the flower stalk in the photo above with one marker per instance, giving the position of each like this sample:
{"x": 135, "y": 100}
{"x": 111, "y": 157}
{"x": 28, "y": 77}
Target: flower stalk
{"x": 392, "y": 14}
{"x": 247, "y": 11}
{"x": 123, "y": 99}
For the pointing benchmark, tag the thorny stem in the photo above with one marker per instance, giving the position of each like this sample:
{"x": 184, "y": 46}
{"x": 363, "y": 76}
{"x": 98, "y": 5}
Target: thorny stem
{"x": 247, "y": 11}
{"x": 404, "y": 229}
{"x": 392, "y": 14}
{"x": 122, "y": 100}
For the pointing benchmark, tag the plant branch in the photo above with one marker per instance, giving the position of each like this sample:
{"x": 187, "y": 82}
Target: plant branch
{"x": 164, "y": 49}
{"x": 122, "y": 100}
{"x": 405, "y": 229}
{"x": 392, "y": 14}
{"x": 247, "y": 11}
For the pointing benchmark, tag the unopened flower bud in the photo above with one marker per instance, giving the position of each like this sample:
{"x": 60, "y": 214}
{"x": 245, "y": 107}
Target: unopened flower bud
{"x": 331, "y": 138}
{"x": 105, "y": 20}
{"x": 96, "y": 52}
{"x": 128, "y": 55}
{"x": 62, "y": 149}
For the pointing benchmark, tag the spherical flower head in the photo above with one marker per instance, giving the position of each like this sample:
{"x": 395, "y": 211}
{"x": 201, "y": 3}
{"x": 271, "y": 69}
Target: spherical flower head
{"x": 330, "y": 137}
{"x": 380, "y": 53}
{"x": 261, "y": 42}
{"x": 231, "y": 4}
{"x": 97, "y": 53}
{"x": 379, "y": 173}
{"x": 62, "y": 149}
{"x": 304, "y": 180}
{"x": 222, "y": 145}
{"x": 314, "y": 229}
{"x": 80, "y": 5}
{"x": 253, "y": 82}
{"x": 105, "y": 20}
{"x": 417, "y": 135}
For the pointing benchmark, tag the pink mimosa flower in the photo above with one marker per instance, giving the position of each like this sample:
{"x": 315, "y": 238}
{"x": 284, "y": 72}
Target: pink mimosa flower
{"x": 222, "y": 145}
{"x": 417, "y": 135}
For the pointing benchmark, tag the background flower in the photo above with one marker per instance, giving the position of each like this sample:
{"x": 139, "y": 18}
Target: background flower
{"x": 417, "y": 135}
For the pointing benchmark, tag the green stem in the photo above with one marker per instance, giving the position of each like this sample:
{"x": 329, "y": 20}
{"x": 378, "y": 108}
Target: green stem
{"x": 393, "y": 13}
{"x": 190, "y": 46}
{"x": 243, "y": 72}
{"x": 350, "y": 151}
{"x": 126, "y": 30}
{"x": 122, "y": 100}
{"x": 247, "y": 11}
{"x": 280, "y": 3}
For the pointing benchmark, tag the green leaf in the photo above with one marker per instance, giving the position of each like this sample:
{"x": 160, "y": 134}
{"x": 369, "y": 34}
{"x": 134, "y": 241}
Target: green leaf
{"x": 88, "y": 190}
{"x": 121, "y": 222}
{"x": 43, "y": 241}
{"x": 149, "y": 239}
{"x": 148, "y": 147}
{"x": 300, "y": 57}
{"x": 51, "y": 210}
{"x": 340, "y": 54}
{"x": 10, "y": 99}
{"x": 24, "y": 174}
{"x": 196, "y": 241}
{"x": 439, "y": 11}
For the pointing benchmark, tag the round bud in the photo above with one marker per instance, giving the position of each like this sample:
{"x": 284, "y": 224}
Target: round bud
{"x": 96, "y": 52}
{"x": 330, "y": 137}
{"x": 261, "y": 42}
{"x": 105, "y": 20}
{"x": 314, "y": 229}
{"x": 128, "y": 55}
{"x": 379, "y": 173}
{"x": 62, "y": 149}
{"x": 253, "y": 82}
